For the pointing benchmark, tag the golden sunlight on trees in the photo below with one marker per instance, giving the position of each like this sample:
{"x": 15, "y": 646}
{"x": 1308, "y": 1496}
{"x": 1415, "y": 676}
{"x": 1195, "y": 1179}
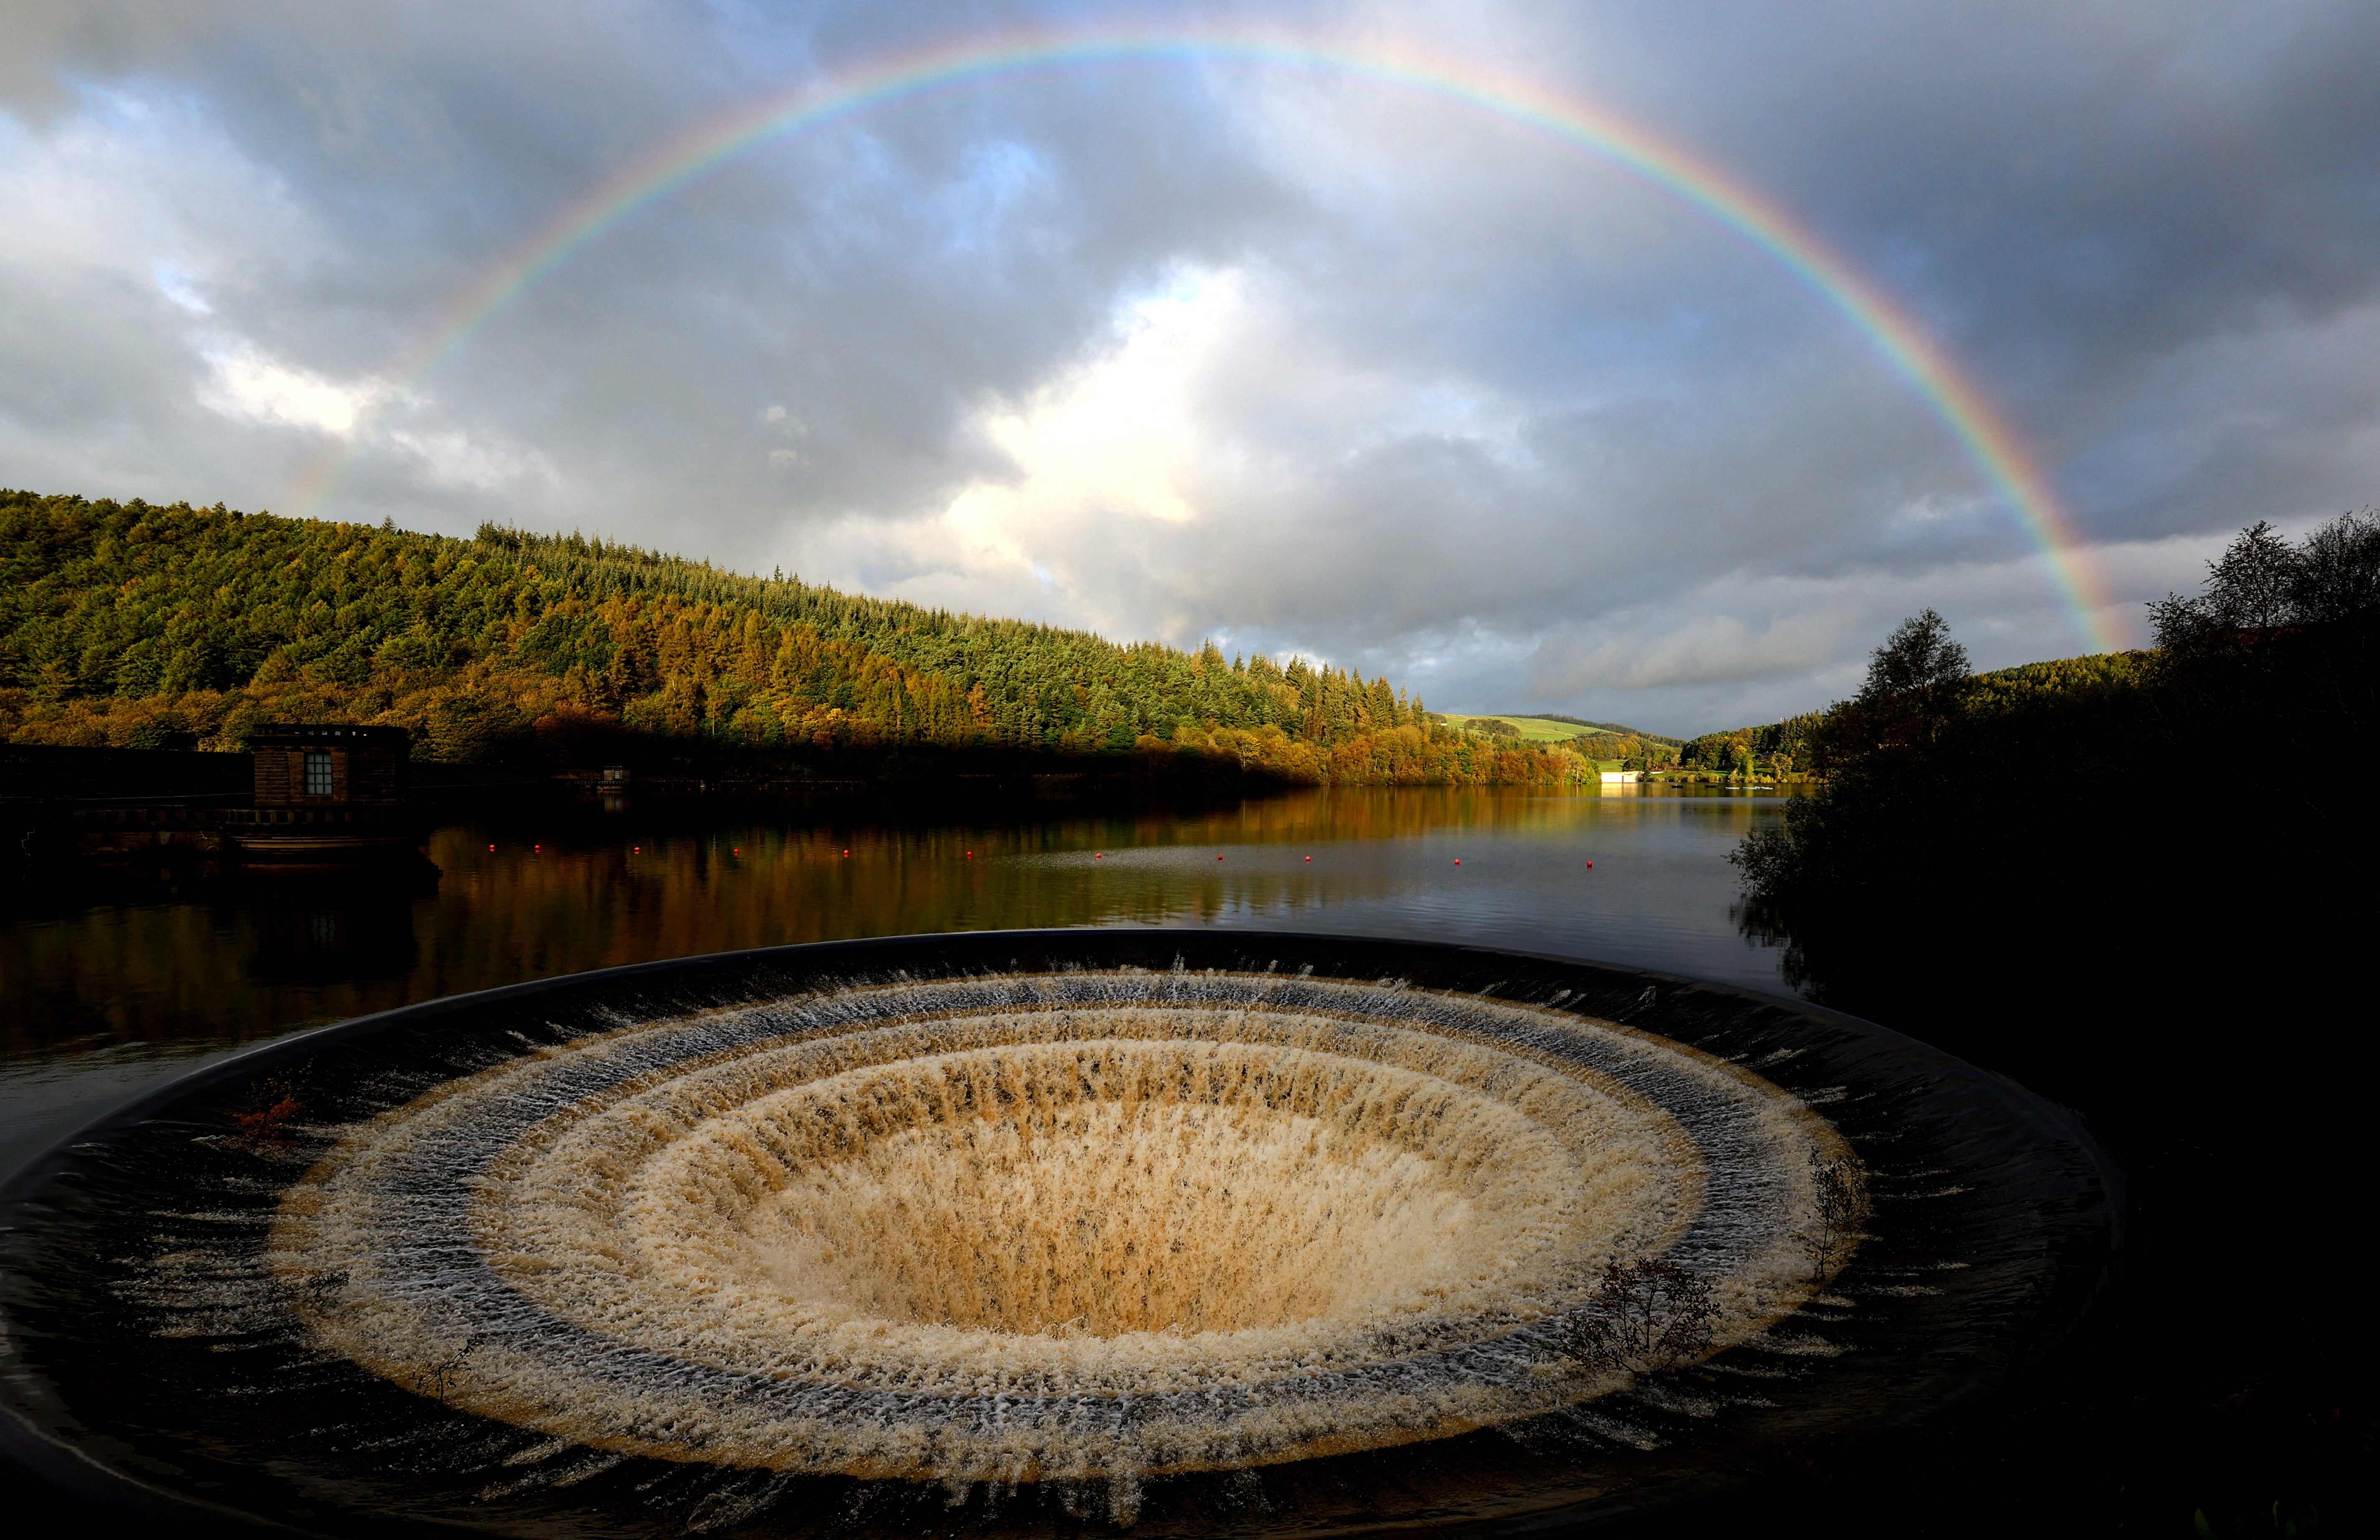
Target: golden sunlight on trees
{"x": 134, "y": 626}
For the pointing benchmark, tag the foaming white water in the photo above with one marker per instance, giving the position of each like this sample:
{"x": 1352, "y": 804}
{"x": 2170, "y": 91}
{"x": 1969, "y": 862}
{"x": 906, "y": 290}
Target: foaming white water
{"x": 1101, "y": 1225}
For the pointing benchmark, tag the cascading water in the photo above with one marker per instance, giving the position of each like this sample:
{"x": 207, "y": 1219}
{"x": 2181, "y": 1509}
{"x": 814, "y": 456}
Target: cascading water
{"x": 1083, "y": 1227}
{"x": 1095, "y": 1230}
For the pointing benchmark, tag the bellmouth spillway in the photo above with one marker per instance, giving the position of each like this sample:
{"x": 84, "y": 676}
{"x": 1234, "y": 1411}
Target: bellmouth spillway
{"x": 1135, "y": 1224}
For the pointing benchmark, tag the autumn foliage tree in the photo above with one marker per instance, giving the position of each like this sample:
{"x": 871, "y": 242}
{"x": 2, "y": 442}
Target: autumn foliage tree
{"x": 138, "y": 626}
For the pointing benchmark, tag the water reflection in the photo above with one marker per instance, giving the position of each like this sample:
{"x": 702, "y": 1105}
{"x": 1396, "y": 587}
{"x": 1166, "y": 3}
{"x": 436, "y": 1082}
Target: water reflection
{"x": 109, "y": 982}
{"x": 349, "y": 926}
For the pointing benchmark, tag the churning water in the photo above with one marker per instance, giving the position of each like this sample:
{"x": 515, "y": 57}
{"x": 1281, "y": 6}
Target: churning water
{"x": 1100, "y": 1226}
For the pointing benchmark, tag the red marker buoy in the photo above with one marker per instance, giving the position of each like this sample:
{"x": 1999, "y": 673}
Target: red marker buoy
{"x": 1309, "y": 860}
{"x": 1099, "y": 856}
{"x": 1458, "y": 860}
{"x": 846, "y": 853}
{"x": 1218, "y": 858}
{"x": 1590, "y": 866}
{"x": 970, "y": 855}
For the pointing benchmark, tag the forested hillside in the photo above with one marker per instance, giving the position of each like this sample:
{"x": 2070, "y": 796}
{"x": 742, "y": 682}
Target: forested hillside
{"x": 1932, "y": 771}
{"x": 1802, "y": 743}
{"x": 135, "y": 624}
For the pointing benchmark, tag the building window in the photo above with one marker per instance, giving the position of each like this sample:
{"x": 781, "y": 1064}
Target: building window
{"x": 317, "y": 772}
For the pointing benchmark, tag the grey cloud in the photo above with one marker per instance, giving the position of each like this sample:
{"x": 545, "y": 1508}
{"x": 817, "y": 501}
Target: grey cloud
{"x": 1499, "y": 420}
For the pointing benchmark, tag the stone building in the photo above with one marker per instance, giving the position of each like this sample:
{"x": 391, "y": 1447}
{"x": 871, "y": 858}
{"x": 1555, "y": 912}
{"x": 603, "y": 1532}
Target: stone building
{"x": 329, "y": 765}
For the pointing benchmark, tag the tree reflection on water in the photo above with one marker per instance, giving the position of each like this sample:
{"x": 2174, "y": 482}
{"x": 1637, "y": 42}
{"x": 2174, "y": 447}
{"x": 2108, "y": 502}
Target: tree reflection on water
{"x": 145, "y": 962}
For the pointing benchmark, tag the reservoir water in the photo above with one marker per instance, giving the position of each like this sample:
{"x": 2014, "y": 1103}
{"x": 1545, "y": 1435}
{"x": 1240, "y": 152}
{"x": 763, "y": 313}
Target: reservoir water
{"x": 2217, "y": 1388}
{"x": 110, "y": 983}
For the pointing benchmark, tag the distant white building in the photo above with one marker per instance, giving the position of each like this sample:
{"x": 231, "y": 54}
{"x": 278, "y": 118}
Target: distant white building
{"x": 1620, "y": 777}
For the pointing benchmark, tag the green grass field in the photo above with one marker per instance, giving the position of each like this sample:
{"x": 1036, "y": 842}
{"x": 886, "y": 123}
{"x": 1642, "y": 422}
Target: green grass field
{"x": 1548, "y": 730}
{"x": 1537, "y": 729}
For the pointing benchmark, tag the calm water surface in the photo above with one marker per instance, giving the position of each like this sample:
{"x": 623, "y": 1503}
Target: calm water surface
{"x": 109, "y": 985}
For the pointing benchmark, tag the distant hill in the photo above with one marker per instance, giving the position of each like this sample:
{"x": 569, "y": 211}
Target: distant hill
{"x": 1617, "y": 729}
{"x": 1588, "y": 739}
{"x": 142, "y": 625}
{"x": 1521, "y": 728}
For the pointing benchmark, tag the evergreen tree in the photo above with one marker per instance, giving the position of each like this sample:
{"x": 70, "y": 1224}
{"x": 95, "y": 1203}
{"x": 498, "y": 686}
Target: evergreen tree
{"x": 132, "y": 622}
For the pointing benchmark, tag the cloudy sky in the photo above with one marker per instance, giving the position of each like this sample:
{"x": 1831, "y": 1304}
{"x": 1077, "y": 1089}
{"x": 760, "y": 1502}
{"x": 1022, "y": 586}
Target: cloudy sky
{"x": 1193, "y": 345}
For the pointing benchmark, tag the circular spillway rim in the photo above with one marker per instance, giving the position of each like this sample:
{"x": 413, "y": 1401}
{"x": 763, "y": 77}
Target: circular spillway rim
{"x": 39, "y": 1428}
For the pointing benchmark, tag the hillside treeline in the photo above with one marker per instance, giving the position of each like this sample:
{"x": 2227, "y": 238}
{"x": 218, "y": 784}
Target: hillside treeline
{"x": 1950, "y": 793}
{"x": 1633, "y": 751}
{"x": 140, "y": 626}
{"x": 1773, "y": 748}
{"x": 1815, "y": 741}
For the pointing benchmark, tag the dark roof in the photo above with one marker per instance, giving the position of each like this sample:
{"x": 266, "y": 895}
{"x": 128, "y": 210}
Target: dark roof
{"x": 330, "y": 735}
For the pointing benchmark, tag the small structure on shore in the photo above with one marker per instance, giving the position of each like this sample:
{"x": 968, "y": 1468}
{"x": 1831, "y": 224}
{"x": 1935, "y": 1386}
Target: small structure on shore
{"x": 313, "y": 795}
{"x": 329, "y": 765}
{"x": 325, "y": 794}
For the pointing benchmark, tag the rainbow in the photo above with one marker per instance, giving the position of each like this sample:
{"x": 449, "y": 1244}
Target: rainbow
{"x": 1887, "y": 326}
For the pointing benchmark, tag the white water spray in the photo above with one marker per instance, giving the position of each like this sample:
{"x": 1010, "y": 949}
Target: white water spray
{"x": 1088, "y": 1225}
